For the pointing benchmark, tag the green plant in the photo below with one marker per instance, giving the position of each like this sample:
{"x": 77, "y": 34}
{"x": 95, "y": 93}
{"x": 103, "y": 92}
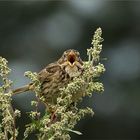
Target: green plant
{"x": 67, "y": 113}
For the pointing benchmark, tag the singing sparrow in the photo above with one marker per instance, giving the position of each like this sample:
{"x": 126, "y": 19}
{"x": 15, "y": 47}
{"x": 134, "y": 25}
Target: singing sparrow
{"x": 57, "y": 75}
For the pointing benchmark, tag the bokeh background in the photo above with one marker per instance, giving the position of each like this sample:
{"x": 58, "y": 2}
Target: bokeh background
{"x": 34, "y": 33}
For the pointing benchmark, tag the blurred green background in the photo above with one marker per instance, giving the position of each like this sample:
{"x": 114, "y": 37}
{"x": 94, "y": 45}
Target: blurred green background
{"x": 34, "y": 33}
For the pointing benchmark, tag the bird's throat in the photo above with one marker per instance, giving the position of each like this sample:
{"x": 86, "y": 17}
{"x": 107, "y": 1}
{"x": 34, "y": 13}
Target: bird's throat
{"x": 72, "y": 71}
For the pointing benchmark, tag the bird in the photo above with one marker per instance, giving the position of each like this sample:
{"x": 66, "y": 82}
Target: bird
{"x": 57, "y": 75}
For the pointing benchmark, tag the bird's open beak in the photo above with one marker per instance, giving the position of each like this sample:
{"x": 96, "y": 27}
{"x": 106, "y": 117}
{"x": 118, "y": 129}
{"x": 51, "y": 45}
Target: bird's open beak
{"x": 71, "y": 59}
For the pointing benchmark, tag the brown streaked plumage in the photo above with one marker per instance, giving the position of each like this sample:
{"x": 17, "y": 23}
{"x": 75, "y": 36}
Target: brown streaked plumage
{"x": 57, "y": 75}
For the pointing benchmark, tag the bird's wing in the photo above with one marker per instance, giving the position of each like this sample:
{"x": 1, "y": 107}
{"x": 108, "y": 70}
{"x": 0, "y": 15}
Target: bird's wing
{"x": 47, "y": 73}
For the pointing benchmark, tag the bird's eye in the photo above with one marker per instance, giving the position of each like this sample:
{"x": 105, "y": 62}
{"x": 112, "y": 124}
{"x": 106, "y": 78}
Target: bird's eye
{"x": 78, "y": 54}
{"x": 64, "y": 54}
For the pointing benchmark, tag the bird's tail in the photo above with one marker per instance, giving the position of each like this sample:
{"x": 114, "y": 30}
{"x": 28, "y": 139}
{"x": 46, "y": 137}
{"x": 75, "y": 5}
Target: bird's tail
{"x": 21, "y": 89}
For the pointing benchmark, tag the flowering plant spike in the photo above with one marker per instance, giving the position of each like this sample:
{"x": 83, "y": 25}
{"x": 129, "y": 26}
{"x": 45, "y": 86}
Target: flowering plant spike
{"x": 62, "y": 114}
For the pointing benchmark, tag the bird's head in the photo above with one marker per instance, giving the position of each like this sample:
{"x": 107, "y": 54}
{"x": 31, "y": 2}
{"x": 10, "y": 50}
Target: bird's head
{"x": 71, "y": 62}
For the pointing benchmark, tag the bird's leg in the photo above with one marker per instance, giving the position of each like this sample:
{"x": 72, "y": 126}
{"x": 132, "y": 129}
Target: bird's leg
{"x": 52, "y": 111}
{"x": 53, "y": 117}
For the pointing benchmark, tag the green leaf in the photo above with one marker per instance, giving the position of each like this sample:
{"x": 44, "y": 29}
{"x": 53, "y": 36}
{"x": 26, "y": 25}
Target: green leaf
{"x": 74, "y": 131}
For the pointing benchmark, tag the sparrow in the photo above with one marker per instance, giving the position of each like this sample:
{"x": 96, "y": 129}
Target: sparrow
{"x": 57, "y": 75}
